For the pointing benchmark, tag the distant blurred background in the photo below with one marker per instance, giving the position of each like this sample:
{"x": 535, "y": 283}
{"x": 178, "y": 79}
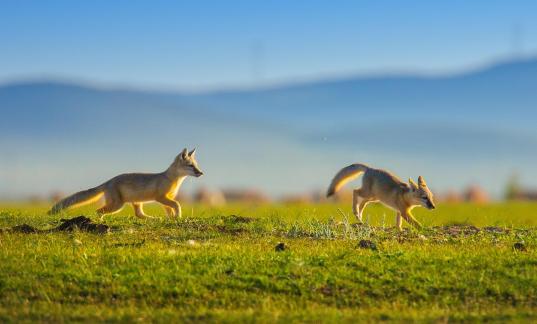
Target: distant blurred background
{"x": 277, "y": 96}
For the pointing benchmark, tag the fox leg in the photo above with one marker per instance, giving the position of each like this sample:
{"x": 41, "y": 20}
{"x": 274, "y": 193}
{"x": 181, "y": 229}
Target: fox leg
{"x": 411, "y": 220}
{"x": 109, "y": 208}
{"x": 174, "y": 205}
{"x": 113, "y": 204}
{"x": 399, "y": 221}
{"x": 139, "y": 211}
{"x": 169, "y": 211}
{"x": 358, "y": 203}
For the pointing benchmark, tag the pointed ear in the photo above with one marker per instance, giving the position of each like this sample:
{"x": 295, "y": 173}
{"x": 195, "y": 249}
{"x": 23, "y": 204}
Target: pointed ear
{"x": 184, "y": 154}
{"x": 413, "y": 185}
{"x": 192, "y": 153}
{"x": 421, "y": 182}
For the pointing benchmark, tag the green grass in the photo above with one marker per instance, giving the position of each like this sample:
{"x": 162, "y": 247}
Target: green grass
{"x": 213, "y": 267}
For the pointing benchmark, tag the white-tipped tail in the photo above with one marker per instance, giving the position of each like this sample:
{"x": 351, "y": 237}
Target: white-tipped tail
{"x": 78, "y": 199}
{"x": 346, "y": 174}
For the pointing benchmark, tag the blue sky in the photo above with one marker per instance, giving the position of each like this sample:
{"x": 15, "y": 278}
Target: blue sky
{"x": 212, "y": 44}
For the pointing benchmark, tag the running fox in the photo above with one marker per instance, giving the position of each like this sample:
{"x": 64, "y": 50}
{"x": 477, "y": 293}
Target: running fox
{"x": 137, "y": 188}
{"x": 381, "y": 185}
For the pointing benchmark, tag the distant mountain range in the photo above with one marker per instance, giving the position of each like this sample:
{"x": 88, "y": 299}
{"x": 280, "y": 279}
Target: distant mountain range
{"x": 475, "y": 127}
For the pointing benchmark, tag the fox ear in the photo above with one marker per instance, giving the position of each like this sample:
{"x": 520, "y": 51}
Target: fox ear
{"x": 413, "y": 185}
{"x": 184, "y": 154}
{"x": 192, "y": 153}
{"x": 421, "y": 182}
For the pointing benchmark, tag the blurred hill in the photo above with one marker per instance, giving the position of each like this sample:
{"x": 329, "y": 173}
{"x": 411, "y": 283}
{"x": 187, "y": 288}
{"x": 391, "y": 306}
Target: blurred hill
{"x": 474, "y": 127}
{"x": 504, "y": 91}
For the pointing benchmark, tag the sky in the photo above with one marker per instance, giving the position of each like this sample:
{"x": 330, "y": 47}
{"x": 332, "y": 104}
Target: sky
{"x": 200, "y": 45}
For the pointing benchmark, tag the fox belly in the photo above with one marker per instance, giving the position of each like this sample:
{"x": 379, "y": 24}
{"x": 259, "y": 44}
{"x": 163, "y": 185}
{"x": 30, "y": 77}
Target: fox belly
{"x": 138, "y": 192}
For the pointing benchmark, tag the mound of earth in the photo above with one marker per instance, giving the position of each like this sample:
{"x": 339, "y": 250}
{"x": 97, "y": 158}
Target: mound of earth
{"x": 81, "y": 223}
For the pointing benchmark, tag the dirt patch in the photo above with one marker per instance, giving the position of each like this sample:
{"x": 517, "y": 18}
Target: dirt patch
{"x": 326, "y": 290}
{"x": 24, "y": 228}
{"x": 467, "y": 230}
{"x": 229, "y": 230}
{"x": 367, "y": 244}
{"x": 496, "y": 229}
{"x": 81, "y": 223}
{"x": 519, "y": 246}
{"x": 238, "y": 219}
{"x": 457, "y": 230}
{"x": 233, "y": 224}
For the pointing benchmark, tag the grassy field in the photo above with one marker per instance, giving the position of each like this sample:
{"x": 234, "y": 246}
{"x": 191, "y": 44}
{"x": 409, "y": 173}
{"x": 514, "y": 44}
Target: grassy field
{"x": 220, "y": 264}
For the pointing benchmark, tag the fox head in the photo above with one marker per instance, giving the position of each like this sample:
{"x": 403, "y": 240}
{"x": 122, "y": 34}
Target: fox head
{"x": 421, "y": 195}
{"x": 185, "y": 163}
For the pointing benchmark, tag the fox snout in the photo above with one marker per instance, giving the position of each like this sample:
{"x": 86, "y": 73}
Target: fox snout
{"x": 430, "y": 205}
{"x": 198, "y": 173}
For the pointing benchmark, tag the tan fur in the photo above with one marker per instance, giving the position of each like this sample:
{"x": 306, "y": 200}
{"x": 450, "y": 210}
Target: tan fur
{"x": 138, "y": 188}
{"x": 380, "y": 185}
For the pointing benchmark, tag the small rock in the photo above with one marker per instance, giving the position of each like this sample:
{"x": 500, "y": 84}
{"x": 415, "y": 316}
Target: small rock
{"x": 280, "y": 247}
{"x": 519, "y": 246}
{"x": 191, "y": 242}
{"x": 77, "y": 242}
{"x": 367, "y": 244}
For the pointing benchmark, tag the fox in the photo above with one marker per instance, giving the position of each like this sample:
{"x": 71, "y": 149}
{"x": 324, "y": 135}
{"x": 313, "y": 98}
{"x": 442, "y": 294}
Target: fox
{"x": 137, "y": 189}
{"x": 382, "y": 186}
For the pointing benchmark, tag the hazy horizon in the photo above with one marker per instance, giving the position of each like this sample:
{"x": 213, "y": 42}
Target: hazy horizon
{"x": 252, "y": 127}
{"x": 272, "y": 84}
{"x": 276, "y": 96}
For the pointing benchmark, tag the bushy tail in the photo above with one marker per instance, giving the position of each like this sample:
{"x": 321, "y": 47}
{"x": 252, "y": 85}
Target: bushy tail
{"x": 78, "y": 199}
{"x": 346, "y": 174}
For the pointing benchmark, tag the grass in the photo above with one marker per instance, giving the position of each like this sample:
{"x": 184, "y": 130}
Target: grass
{"x": 220, "y": 265}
